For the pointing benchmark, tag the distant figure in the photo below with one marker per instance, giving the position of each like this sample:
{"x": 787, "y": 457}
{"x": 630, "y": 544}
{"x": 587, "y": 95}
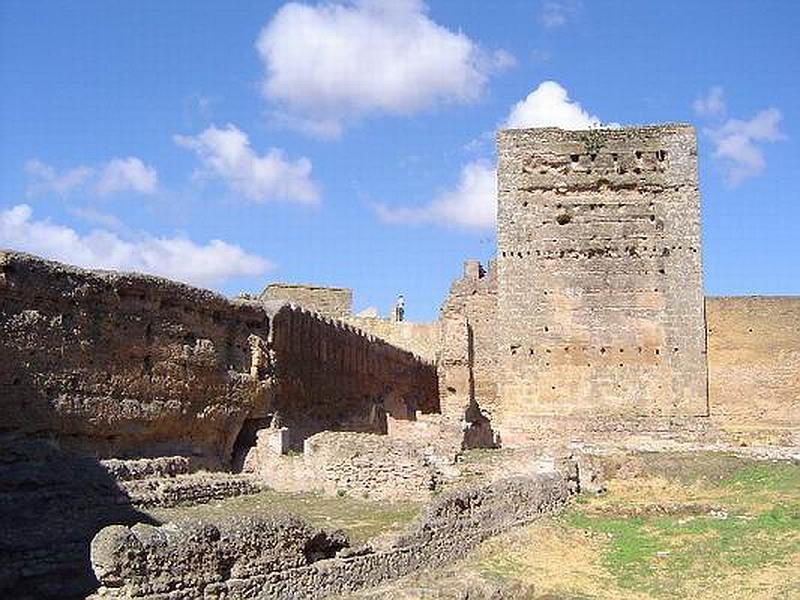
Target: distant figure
{"x": 399, "y": 308}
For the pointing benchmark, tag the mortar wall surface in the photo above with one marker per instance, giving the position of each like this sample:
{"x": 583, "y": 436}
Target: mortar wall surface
{"x": 419, "y": 338}
{"x": 328, "y": 301}
{"x": 754, "y": 362}
{"x": 600, "y": 302}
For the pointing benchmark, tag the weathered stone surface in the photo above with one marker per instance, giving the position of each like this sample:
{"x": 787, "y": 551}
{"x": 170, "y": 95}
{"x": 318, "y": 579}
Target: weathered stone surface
{"x": 332, "y": 302}
{"x": 421, "y": 339}
{"x": 468, "y": 341}
{"x": 328, "y": 375}
{"x": 188, "y": 556}
{"x": 241, "y": 558}
{"x": 600, "y": 302}
{"x": 754, "y": 367}
{"x": 124, "y": 365}
{"x": 368, "y": 465}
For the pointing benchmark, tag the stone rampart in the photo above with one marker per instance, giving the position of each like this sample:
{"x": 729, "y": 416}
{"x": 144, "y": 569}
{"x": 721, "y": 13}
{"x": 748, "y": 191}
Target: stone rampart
{"x": 127, "y": 366}
{"x": 754, "y": 366}
{"x": 124, "y": 365}
{"x": 329, "y": 375}
{"x": 421, "y": 339}
{"x": 237, "y": 560}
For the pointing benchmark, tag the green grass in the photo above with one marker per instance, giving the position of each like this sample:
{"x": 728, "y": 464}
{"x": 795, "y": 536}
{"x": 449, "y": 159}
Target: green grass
{"x": 758, "y": 526}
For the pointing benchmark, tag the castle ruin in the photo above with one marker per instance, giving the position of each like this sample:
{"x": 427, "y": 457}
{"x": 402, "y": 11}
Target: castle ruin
{"x": 589, "y": 325}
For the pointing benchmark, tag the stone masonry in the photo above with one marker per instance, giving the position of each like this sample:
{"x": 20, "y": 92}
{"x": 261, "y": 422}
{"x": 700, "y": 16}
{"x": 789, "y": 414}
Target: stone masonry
{"x": 332, "y": 302}
{"x": 600, "y": 298}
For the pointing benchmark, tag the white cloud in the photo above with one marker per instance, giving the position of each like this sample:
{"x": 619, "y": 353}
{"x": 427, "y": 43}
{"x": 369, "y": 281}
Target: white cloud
{"x": 227, "y": 154}
{"x": 712, "y": 104}
{"x": 117, "y": 175}
{"x": 737, "y": 143}
{"x": 472, "y": 204}
{"x": 557, "y": 13}
{"x": 45, "y": 179}
{"x": 177, "y": 257}
{"x": 336, "y": 61}
{"x": 124, "y": 174}
{"x": 549, "y": 105}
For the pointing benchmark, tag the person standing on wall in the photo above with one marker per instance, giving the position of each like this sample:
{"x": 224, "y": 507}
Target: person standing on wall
{"x": 399, "y": 308}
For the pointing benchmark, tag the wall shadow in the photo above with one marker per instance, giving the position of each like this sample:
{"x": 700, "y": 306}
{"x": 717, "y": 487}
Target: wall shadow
{"x": 52, "y": 503}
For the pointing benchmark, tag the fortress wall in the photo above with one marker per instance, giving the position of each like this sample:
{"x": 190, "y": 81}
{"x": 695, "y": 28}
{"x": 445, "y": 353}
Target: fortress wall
{"x": 421, "y": 339}
{"x": 122, "y": 364}
{"x": 328, "y": 301}
{"x": 754, "y": 363}
{"x": 469, "y": 338}
{"x": 331, "y": 375}
{"x": 600, "y": 303}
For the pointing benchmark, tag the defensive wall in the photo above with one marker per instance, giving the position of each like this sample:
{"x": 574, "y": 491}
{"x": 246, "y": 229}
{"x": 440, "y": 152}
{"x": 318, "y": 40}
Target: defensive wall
{"x": 127, "y": 365}
{"x": 754, "y": 366}
{"x": 420, "y": 338}
{"x": 753, "y": 360}
{"x": 599, "y": 279}
{"x": 122, "y": 365}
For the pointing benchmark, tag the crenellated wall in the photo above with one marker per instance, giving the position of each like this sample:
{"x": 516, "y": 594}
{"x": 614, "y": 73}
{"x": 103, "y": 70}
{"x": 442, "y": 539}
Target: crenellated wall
{"x": 421, "y": 339}
{"x": 329, "y": 375}
{"x": 127, "y": 365}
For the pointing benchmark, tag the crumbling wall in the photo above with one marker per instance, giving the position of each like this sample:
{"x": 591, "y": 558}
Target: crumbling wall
{"x": 754, "y": 366}
{"x": 124, "y": 365}
{"x": 238, "y": 558}
{"x": 364, "y": 465}
{"x": 468, "y": 339}
{"x": 421, "y": 339}
{"x": 600, "y": 304}
{"x": 328, "y": 301}
{"x": 328, "y": 375}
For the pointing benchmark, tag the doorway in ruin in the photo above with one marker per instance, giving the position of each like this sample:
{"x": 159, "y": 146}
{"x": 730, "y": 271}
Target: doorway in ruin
{"x": 246, "y": 440}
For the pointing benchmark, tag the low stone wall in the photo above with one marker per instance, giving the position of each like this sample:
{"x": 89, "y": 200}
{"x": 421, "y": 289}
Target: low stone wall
{"x": 359, "y": 464}
{"x": 190, "y": 489}
{"x": 239, "y": 559}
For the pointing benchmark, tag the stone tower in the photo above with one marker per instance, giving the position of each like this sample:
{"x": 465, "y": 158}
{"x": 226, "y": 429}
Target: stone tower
{"x": 600, "y": 297}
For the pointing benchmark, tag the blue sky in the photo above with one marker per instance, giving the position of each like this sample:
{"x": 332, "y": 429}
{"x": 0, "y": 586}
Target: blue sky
{"x": 351, "y": 143}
